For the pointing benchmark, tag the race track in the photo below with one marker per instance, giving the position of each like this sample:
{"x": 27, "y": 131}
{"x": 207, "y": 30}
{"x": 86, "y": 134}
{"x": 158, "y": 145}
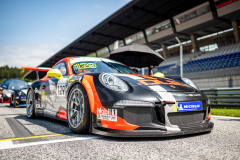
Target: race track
{"x": 44, "y": 138}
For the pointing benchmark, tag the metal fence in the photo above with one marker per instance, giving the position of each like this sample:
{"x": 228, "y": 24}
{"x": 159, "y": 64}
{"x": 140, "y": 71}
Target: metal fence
{"x": 223, "y": 96}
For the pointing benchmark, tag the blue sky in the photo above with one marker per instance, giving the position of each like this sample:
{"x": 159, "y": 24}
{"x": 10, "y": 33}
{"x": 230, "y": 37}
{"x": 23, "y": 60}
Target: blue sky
{"x": 33, "y": 30}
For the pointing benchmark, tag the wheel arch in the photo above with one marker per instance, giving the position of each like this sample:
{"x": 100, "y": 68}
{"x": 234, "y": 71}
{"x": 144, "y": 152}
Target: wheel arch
{"x": 83, "y": 82}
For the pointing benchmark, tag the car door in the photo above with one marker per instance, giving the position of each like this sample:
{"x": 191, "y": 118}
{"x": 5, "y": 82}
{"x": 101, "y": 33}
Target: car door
{"x": 54, "y": 93}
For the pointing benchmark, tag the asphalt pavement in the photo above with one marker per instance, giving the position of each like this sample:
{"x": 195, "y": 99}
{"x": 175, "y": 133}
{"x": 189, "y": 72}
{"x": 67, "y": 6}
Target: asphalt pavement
{"x": 45, "y": 138}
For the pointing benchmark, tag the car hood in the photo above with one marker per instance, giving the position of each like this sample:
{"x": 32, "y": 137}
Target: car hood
{"x": 156, "y": 83}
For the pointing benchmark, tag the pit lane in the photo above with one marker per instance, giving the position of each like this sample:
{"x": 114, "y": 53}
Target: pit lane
{"x": 45, "y": 138}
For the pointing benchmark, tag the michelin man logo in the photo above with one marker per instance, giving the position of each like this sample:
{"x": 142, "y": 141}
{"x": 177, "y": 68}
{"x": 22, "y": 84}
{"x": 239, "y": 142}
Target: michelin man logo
{"x": 180, "y": 107}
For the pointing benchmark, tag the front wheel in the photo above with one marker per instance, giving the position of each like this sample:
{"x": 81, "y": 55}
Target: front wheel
{"x": 30, "y": 104}
{"x": 78, "y": 110}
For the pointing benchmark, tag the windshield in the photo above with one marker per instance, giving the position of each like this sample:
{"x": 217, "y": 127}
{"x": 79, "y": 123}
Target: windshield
{"x": 100, "y": 66}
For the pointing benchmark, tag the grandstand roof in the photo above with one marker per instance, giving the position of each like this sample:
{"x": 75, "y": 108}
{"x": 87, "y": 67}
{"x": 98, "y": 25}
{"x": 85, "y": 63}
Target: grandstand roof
{"x": 136, "y": 16}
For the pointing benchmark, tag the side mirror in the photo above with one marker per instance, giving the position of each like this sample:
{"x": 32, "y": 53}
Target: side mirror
{"x": 55, "y": 73}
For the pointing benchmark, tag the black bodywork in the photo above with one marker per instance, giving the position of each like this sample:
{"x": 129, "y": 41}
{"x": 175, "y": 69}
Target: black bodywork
{"x": 158, "y": 120}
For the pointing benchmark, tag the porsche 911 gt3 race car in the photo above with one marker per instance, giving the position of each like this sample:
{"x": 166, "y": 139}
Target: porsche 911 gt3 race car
{"x": 103, "y": 96}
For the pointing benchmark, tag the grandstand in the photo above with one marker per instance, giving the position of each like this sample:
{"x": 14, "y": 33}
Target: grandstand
{"x": 208, "y": 29}
{"x": 224, "y": 57}
{"x": 222, "y": 62}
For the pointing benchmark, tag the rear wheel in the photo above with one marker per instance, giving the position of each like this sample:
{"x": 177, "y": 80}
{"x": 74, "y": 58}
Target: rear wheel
{"x": 30, "y": 104}
{"x": 78, "y": 110}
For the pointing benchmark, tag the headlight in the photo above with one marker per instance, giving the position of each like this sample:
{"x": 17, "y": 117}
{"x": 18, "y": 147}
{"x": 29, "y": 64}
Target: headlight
{"x": 112, "y": 82}
{"x": 190, "y": 83}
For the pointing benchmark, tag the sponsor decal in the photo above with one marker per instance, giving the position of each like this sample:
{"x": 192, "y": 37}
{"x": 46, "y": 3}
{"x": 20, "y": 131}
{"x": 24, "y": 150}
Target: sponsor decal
{"x": 49, "y": 111}
{"x": 84, "y": 65}
{"x": 62, "y": 114}
{"x": 70, "y": 79}
{"x": 52, "y": 85}
{"x": 108, "y": 115}
{"x": 62, "y": 117}
{"x": 155, "y": 81}
{"x": 172, "y": 86}
{"x": 38, "y": 106}
{"x": 188, "y": 106}
{"x": 37, "y": 91}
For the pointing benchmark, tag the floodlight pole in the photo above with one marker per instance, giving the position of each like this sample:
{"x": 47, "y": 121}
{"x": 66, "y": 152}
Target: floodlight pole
{"x": 181, "y": 55}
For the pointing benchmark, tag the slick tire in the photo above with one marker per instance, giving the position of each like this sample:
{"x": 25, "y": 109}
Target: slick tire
{"x": 15, "y": 105}
{"x": 78, "y": 107}
{"x": 30, "y": 104}
{"x": 11, "y": 101}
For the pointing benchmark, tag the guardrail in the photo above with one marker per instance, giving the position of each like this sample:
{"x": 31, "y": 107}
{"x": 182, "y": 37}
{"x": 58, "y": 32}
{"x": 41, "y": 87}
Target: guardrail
{"x": 223, "y": 96}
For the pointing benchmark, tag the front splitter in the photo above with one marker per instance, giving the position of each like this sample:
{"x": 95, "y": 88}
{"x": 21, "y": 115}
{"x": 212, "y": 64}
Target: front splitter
{"x": 149, "y": 133}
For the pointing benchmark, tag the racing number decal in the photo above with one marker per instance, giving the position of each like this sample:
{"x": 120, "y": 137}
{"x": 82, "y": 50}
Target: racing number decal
{"x": 61, "y": 89}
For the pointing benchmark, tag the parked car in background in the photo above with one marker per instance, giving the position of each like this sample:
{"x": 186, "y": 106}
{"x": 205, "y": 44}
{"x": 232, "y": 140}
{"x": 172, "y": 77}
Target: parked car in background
{"x": 18, "y": 98}
{"x": 15, "y": 92}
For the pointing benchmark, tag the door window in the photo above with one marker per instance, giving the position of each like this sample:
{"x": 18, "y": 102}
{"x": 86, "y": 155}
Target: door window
{"x": 62, "y": 67}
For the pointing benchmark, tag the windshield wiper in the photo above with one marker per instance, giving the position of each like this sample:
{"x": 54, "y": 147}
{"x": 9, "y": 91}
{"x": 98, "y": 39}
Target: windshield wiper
{"x": 107, "y": 63}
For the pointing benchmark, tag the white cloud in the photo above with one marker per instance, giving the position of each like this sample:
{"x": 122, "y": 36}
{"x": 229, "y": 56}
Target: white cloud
{"x": 98, "y": 6}
{"x": 32, "y": 55}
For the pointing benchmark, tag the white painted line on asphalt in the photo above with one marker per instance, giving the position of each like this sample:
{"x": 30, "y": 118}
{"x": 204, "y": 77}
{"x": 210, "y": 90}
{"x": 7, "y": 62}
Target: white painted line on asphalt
{"x": 10, "y": 145}
{"x": 226, "y": 117}
{"x": 5, "y": 144}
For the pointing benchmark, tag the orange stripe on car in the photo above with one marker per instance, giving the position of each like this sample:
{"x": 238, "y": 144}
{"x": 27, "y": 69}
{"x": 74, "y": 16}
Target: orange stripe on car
{"x": 209, "y": 116}
{"x": 95, "y": 103}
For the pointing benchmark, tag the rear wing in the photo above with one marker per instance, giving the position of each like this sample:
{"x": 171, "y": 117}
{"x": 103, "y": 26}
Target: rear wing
{"x": 37, "y": 69}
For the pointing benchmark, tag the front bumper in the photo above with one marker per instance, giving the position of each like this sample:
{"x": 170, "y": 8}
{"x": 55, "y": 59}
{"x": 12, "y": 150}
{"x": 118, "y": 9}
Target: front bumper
{"x": 21, "y": 102}
{"x": 157, "y": 121}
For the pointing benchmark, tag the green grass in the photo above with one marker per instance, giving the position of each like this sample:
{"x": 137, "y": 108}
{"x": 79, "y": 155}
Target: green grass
{"x": 226, "y": 112}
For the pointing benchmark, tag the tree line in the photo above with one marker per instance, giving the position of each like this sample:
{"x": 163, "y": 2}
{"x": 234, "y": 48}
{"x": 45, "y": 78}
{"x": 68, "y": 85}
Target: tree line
{"x": 7, "y": 72}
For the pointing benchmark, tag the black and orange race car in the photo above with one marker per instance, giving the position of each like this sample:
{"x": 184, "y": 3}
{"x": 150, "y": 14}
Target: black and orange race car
{"x": 102, "y": 96}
